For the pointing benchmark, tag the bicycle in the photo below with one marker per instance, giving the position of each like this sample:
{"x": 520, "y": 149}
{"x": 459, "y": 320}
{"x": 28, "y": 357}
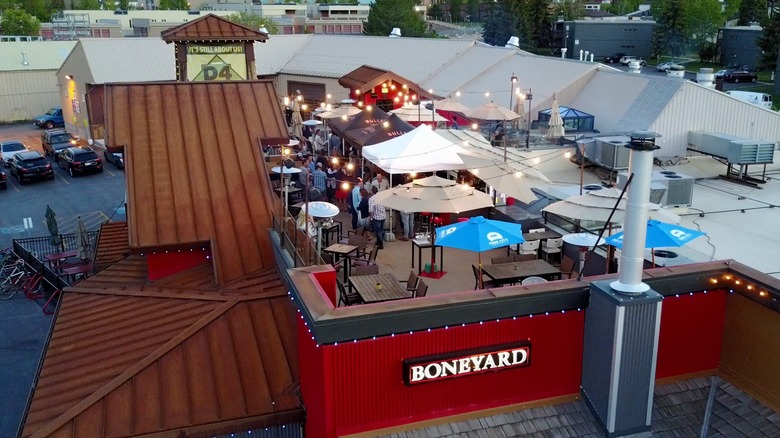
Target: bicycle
{"x": 13, "y": 278}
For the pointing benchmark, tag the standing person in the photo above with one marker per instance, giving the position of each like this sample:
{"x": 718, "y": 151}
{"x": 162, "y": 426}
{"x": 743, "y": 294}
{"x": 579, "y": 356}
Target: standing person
{"x": 320, "y": 142}
{"x": 363, "y": 213}
{"x": 354, "y": 201}
{"x": 305, "y": 174}
{"x": 331, "y": 183}
{"x": 455, "y": 122}
{"x": 380, "y": 182}
{"x": 407, "y": 221}
{"x": 334, "y": 144}
{"x": 378, "y": 215}
{"x": 342, "y": 193}
{"x": 318, "y": 179}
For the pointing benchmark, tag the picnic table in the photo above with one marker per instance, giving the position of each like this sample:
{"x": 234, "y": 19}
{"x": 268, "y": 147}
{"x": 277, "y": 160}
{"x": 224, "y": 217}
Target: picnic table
{"x": 378, "y": 287}
{"x": 515, "y": 272}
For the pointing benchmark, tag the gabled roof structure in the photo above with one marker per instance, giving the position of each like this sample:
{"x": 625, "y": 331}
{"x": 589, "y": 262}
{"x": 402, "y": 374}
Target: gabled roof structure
{"x": 128, "y": 358}
{"x": 365, "y": 78}
{"x": 194, "y": 171}
{"x": 212, "y": 28}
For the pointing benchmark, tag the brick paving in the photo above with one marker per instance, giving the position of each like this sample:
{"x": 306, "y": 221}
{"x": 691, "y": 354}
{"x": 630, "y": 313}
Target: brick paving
{"x": 678, "y": 412}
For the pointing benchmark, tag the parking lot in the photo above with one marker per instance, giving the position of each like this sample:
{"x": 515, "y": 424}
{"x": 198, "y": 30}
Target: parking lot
{"x": 94, "y": 197}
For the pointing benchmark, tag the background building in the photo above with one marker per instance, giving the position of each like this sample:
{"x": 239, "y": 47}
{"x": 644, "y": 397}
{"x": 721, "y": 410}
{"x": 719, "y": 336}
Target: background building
{"x": 738, "y": 45}
{"x": 605, "y": 37}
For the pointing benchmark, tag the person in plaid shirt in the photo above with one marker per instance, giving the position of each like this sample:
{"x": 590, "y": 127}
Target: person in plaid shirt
{"x": 318, "y": 179}
{"x": 378, "y": 215}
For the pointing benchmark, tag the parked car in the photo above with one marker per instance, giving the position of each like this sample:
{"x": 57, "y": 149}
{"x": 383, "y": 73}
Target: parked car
{"x": 78, "y": 161}
{"x": 720, "y": 73}
{"x": 3, "y": 181}
{"x": 666, "y": 66}
{"x": 615, "y": 58}
{"x": 30, "y": 165}
{"x": 115, "y": 158}
{"x": 51, "y": 119}
{"x": 55, "y": 140}
{"x": 739, "y": 76}
{"x": 627, "y": 60}
{"x": 10, "y": 148}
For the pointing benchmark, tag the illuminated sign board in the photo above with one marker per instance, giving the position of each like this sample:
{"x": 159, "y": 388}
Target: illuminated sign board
{"x": 216, "y": 63}
{"x": 466, "y": 363}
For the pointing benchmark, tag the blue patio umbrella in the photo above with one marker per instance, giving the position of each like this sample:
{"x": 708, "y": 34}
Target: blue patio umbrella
{"x": 659, "y": 235}
{"x": 479, "y": 234}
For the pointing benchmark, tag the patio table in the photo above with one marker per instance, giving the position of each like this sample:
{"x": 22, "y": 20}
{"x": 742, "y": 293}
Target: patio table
{"x": 56, "y": 260}
{"x": 340, "y": 250}
{"x": 515, "y": 272}
{"x": 378, "y": 287}
{"x": 423, "y": 244}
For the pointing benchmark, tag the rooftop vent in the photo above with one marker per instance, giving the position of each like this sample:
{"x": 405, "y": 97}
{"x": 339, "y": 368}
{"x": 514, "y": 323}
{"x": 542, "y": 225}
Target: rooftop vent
{"x": 395, "y": 33}
{"x": 514, "y": 42}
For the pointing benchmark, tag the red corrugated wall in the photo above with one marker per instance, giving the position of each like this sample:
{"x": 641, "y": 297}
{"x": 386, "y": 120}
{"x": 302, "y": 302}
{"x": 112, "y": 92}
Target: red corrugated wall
{"x": 365, "y": 377}
{"x": 691, "y": 333}
{"x": 163, "y": 264}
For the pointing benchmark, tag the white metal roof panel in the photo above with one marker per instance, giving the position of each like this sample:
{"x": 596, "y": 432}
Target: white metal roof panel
{"x": 333, "y": 56}
{"x": 272, "y": 55}
{"x": 608, "y": 95}
{"x": 34, "y": 55}
{"x": 129, "y": 59}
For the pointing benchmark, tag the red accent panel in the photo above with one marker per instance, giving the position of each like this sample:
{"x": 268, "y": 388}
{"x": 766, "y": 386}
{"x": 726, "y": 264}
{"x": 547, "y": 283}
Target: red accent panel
{"x": 327, "y": 281}
{"x": 367, "y": 376}
{"x": 316, "y": 389}
{"x": 163, "y": 264}
{"x": 691, "y": 333}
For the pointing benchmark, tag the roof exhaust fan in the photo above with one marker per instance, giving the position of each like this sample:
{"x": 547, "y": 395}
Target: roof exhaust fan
{"x": 514, "y": 42}
{"x": 395, "y": 33}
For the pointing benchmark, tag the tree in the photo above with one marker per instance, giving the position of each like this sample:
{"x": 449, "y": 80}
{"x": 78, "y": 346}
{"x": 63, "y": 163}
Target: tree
{"x": 17, "y": 22}
{"x": 254, "y": 21}
{"x": 704, "y": 17}
{"x": 384, "y": 15}
{"x": 769, "y": 42}
{"x": 622, "y": 7}
{"x": 751, "y": 11}
{"x": 435, "y": 12}
{"x": 174, "y": 5}
{"x": 456, "y": 7}
{"x": 86, "y": 5}
{"x": 499, "y": 25}
{"x": 571, "y": 9}
{"x": 539, "y": 22}
{"x": 671, "y": 33}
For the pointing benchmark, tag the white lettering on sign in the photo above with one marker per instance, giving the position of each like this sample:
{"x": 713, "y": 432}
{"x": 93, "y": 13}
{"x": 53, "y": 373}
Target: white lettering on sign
{"x": 463, "y": 364}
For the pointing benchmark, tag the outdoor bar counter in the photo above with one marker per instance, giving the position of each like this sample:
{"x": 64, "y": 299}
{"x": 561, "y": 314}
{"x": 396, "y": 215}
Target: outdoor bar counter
{"x": 380, "y": 368}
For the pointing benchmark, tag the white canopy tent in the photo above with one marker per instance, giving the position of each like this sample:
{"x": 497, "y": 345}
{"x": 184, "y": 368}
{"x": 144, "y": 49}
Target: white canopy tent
{"x": 420, "y": 150}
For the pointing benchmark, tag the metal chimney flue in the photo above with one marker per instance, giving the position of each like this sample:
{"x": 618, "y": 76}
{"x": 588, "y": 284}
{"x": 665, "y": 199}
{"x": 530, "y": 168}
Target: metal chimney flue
{"x": 632, "y": 254}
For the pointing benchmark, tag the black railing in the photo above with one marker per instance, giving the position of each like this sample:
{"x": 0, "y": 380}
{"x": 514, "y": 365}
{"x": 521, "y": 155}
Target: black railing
{"x": 34, "y": 250}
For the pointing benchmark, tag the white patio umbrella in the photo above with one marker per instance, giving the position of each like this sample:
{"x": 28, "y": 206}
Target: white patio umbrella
{"x": 511, "y": 178}
{"x": 555, "y": 128}
{"x": 417, "y": 113}
{"x": 449, "y": 104}
{"x": 492, "y": 112}
{"x": 433, "y": 194}
{"x": 597, "y": 205}
{"x": 347, "y": 110}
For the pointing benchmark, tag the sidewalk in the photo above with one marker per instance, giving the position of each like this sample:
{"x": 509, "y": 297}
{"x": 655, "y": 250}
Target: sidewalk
{"x": 25, "y": 330}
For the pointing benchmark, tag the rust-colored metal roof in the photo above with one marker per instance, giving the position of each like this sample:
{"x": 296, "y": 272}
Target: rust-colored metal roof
{"x": 212, "y": 28}
{"x": 112, "y": 245}
{"x": 133, "y": 359}
{"x": 365, "y": 78}
{"x": 194, "y": 168}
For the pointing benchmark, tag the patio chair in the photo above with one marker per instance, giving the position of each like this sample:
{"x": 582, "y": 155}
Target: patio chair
{"x": 523, "y": 257}
{"x": 370, "y": 260}
{"x": 365, "y": 270}
{"x": 422, "y": 289}
{"x": 485, "y": 283}
{"x": 411, "y": 283}
{"x": 328, "y": 259}
{"x": 356, "y": 240}
{"x": 498, "y": 260}
{"x": 529, "y": 247}
{"x": 348, "y": 298}
{"x": 552, "y": 246}
{"x": 567, "y": 267}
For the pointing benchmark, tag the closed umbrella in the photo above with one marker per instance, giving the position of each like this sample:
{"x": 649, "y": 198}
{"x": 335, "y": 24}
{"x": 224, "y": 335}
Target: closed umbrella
{"x": 84, "y": 249}
{"x": 51, "y": 224}
{"x": 479, "y": 234}
{"x": 555, "y": 128}
{"x": 659, "y": 235}
{"x": 297, "y": 120}
{"x": 519, "y": 109}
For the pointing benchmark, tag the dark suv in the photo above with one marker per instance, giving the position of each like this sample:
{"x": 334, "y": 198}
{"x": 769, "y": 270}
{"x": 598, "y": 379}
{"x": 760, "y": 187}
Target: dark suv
{"x": 614, "y": 58}
{"x": 739, "y": 76}
{"x": 78, "y": 161}
{"x": 31, "y": 165}
{"x": 55, "y": 140}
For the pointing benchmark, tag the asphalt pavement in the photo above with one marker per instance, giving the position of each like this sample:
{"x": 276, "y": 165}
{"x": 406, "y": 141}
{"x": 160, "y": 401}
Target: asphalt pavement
{"x": 24, "y": 328}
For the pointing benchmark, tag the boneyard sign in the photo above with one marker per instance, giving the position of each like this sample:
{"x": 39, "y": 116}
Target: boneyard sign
{"x": 466, "y": 363}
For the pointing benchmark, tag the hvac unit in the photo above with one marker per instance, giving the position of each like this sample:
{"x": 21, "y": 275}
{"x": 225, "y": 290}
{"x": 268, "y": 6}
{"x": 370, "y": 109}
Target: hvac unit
{"x": 735, "y": 150}
{"x": 666, "y": 188}
{"x": 611, "y": 152}
{"x": 657, "y": 190}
